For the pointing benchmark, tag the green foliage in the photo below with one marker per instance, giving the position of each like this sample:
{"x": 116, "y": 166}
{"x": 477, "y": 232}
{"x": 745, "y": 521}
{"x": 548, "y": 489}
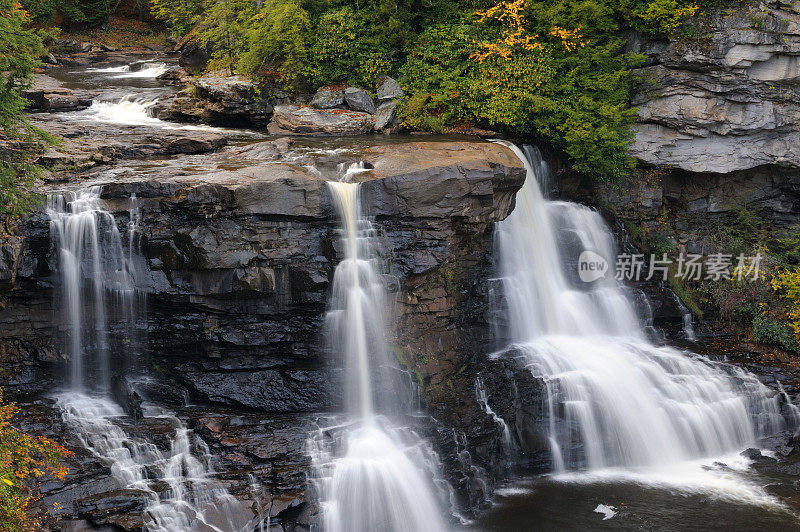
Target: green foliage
{"x": 666, "y": 16}
{"x": 75, "y": 12}
{"x": 180, "y": 15}
{"x": 569, "y": 88}
{"x": 277, "y": 42}
{"x": 20, "y": 48}
{"x": 786, "y": 246}
{"x": 224, "y": 26}
{"x": 342, "y": 53}
{"x": 770, "y": 331}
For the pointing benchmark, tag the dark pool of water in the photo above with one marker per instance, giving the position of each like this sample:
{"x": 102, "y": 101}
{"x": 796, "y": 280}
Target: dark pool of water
{"x": 545, "y": 504}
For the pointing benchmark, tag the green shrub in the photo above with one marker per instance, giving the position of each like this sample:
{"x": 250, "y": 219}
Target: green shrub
{"x": 20, "y": 48}
{"x": 180, "y": 15}
{"x": 277, "y": 42}
{"x": 770, "y": 331}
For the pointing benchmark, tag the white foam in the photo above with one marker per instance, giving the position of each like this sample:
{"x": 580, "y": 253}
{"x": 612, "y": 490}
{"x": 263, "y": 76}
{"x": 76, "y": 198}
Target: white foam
{"x": 148, "y": 70}
{"x": 607, "y": 511}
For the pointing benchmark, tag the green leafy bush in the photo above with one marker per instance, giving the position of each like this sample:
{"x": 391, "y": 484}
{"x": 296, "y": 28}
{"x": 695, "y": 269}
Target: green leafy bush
{"x": 277, "y": 42}
{"x": 76, "y": 12}
{"x": 20, "y": 48}
{"x": 770, "y": 331}
{"x": 180, "y": 15}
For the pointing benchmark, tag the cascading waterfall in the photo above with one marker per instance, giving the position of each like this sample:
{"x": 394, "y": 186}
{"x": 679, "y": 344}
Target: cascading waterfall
{"x": 614, "y": 398}
{"x": 96, "y": 279}
{"x": 370, "y": 474}
{"x": 100, "y": 288}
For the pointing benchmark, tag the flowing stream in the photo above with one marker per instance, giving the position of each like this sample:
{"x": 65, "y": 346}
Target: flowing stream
{"x": 369, "y": 472}
{"x": 618, "y": 405}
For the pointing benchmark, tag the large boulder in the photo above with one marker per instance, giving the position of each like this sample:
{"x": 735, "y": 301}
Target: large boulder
{"x": 359, "y": 100}
{"x": 220, "y": 99}
{"x": 194, "y": 56}
{"x": 294, "y": 119}
{"x": 388, "y": 88}
{"x": 385, "y": 114}
{"x": 328, "y": 97}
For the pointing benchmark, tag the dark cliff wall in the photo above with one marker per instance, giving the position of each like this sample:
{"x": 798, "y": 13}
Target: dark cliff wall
{"x": 238, "y": 269}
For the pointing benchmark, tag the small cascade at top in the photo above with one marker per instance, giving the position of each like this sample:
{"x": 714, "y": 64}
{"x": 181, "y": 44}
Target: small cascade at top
{"x": 614, "y": 398}
{"x": 369, "y": 473}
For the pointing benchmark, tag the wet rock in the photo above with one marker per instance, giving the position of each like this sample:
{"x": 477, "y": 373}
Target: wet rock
{"x": 293, "y": 119}
{"x": 126, "y": 397}
{"x": 294, "y": 391}
{"x": 59, "y": 101}
{"x": 756, "y": 456}
{"x": 359, "y": 100}
{"x": 174, "y": 75}
{"x": 388, "y": 88}
{"x": 123, "y": 509}
{"x": 328, "y": 97}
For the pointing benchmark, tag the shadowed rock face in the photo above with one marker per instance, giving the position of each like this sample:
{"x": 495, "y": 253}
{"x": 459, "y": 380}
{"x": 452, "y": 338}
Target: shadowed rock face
{"x": 239, "y": 259}
{"x": 728, "y": 102}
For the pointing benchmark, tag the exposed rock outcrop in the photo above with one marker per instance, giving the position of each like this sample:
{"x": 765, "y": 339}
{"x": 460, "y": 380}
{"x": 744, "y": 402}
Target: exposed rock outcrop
{"x": 726, "y": 102}
{"x": 216, "y": 98}
{"x": 294, "y": 119}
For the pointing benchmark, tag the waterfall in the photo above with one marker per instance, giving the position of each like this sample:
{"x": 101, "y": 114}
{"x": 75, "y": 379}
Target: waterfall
{"x": 614, "y": 398}
{"x": 100, "y": 289}
{"x": 130, "y": 110}
{"x": 97, "y": 281}
{"x": 181, "y": 493}
{"x": 369, "y": 472}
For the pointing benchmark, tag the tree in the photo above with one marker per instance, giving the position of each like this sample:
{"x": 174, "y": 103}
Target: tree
{"x": 24, "y": 461}
{"x": 20, "y": 142}
{"x": 224, "y": 28}
{"x": 277, "y": 42}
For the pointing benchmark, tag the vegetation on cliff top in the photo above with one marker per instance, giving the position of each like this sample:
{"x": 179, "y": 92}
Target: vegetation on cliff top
{"x": 552, "y": 69}
{"x": 556, "y": 70}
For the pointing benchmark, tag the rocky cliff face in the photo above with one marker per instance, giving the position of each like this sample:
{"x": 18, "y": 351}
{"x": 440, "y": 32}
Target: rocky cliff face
{"x": 727, "y": 99}
{"x": 718, "y": 129}
{"x": 239, "y": 258}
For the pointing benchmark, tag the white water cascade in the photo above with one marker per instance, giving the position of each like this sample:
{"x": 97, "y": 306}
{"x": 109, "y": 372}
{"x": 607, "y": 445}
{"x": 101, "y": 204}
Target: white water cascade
{"x": 130, "y": 110}
{"x": 97, "y": 281}
{"x": 370, "y": 473}
{"x": 100, "y": 289}
{"x": 147, "y": 69}
{"x": 615, "y": 400}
